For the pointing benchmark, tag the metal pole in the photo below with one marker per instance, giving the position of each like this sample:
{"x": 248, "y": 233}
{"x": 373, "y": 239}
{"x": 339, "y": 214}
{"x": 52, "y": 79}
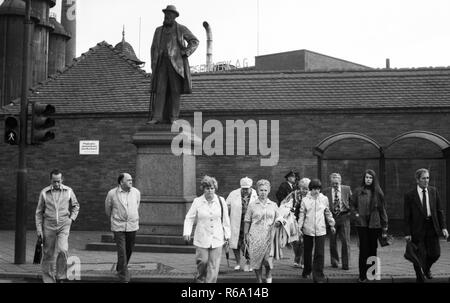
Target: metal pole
{"x": 21, "y": 203}
{"x": 257, "y": 27}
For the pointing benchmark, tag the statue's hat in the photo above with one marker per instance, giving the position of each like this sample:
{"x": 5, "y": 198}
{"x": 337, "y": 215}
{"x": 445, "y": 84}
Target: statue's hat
{"x": 171, "y": 8}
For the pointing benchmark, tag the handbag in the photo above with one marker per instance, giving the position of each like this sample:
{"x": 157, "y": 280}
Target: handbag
{"x": 385, "y": 241}
{"x": 38, "y": 251}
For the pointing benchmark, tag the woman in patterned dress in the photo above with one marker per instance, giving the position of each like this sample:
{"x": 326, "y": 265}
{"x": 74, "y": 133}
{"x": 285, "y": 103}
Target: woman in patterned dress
{"x": 260, "y": 219}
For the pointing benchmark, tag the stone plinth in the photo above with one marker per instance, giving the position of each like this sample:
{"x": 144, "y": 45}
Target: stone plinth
{"x": 166, "y": 181}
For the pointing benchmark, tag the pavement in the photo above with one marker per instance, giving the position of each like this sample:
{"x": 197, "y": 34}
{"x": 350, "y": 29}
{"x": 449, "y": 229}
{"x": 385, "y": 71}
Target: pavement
{"x": 98, "y": 266}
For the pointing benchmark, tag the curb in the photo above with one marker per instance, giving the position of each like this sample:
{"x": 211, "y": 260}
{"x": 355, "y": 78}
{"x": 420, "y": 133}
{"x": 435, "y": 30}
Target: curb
{"x": 92, "y": 278}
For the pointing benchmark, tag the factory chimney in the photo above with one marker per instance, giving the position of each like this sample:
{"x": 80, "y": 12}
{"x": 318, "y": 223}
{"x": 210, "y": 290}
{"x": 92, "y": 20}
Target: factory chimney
{"x": 209, "y": 46}
{"x": 69, "y": 22}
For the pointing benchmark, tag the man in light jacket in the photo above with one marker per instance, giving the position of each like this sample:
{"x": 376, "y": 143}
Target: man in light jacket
{"x": 57, "y": 209}
{"x": 122, "y": 207}
{"x": 238, "y": 201}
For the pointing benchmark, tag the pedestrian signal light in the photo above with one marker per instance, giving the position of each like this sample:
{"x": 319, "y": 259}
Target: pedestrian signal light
{"x": 12, "y": 131}
{"x": 42, "y": 123}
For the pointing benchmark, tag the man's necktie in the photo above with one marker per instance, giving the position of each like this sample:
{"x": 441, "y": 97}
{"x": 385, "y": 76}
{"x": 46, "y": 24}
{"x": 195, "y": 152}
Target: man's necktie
{"x": 424, "y": 202}
{"x": 337, "y": 206}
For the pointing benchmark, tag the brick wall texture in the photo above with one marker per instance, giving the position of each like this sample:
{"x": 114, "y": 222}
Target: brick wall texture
{"x": 92, "y": 176}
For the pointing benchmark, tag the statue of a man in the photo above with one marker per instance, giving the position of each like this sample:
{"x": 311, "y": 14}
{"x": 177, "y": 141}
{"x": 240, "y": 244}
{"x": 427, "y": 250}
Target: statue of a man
{"x": 170, "y": 68}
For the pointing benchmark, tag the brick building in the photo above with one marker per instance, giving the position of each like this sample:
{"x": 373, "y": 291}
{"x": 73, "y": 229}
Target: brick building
{"x": 328, "y": 121}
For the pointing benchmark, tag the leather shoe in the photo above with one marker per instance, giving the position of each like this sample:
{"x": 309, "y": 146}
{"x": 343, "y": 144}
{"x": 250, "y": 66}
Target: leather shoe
{"x": 153, "y": 122}
{"x": 345, "y": 268}
{"x": 428, "y": 275}
{"x": 334, "y": 265}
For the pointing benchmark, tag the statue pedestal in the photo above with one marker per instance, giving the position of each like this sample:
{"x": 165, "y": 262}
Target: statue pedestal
{"x": 166, "y": 182}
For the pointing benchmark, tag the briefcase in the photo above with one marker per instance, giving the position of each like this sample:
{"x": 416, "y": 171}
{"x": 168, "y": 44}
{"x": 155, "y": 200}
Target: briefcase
{"x": 38, "y": 251}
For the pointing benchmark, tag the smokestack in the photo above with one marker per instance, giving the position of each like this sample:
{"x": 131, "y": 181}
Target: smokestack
{"x": 69, "y": 21}
{"x": 388, "y": 63}
{"x": 209, "y": 41}
{"x": 57, "y": 46}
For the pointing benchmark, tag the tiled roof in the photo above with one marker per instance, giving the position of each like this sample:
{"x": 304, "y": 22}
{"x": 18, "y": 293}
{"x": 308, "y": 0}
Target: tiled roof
{"x": 291, "y": 90}
{"x": 104, "y": 81}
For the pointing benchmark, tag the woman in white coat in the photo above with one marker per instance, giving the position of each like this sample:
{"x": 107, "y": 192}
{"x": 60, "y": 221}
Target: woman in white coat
{"x": 238, "y": 201}
{"x": 210, "y": 213}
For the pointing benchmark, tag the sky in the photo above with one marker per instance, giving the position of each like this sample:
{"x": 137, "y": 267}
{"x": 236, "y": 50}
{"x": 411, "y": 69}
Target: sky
{"x": 411, "y": 33}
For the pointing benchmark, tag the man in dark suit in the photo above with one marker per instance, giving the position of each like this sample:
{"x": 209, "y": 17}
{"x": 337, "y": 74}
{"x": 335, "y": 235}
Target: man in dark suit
{"x": 287, "y": 186}
{"x": 424, "y": 222}
{"x": 339, "y": 199}
{"x": 171, "y": 76}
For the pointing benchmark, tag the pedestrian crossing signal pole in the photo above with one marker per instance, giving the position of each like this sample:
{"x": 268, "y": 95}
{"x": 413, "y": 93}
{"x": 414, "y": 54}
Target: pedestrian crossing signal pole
{"x": 21, "y": 203}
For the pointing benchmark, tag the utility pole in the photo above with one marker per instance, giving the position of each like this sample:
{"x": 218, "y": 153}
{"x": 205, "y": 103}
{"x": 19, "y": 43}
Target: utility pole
{"x": 21, "y": 203}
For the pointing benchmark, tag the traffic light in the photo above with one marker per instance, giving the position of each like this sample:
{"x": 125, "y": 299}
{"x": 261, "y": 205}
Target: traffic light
{"x": 41, "y": 123}
{"x": 12, "y": 131}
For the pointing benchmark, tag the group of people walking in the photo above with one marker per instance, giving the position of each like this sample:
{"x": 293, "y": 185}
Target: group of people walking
{"x": 251, "y": 224}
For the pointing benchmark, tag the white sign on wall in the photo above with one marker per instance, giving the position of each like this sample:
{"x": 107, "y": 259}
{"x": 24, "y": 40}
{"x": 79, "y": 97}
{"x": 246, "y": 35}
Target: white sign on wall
{"x": 89, "y": 147}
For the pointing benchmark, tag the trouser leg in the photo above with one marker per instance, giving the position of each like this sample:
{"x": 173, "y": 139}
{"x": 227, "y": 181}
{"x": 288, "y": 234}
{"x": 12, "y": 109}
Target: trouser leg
{"x": 62, "y": 249}
{"x": 122, "y": 265}
{"x": 201, "y": 259}
{"x": 334, "y": 255}
{"x": 421, "y": 254}
{"x": 130, "y": 238}
{"x": 319, "y": 258}
{"x": 215, "y": 255}
{"x": 48, "y": 258}
{"x": 344, "y": 236}
{"x": 374, "y": 233}
{"x": 308, "y": 245}
{"x": 237, "y": 255}
{"x": 432, "y": 246}
{"x": 363, "y": 251}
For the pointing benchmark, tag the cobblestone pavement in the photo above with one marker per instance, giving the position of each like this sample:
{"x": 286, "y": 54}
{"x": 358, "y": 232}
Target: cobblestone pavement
{"x": 148, "y": 267}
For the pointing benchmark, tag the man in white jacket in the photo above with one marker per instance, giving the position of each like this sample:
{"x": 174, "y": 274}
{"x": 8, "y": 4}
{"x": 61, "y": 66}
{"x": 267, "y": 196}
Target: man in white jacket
{"x": 238, "y": 201}
{"x": 57, "y": 209}
{"x": 122, "y": 207}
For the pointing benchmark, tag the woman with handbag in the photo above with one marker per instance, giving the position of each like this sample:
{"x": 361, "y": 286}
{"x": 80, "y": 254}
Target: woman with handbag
{"x": 370, "y": 214}
{"x": 210, "y": 212}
